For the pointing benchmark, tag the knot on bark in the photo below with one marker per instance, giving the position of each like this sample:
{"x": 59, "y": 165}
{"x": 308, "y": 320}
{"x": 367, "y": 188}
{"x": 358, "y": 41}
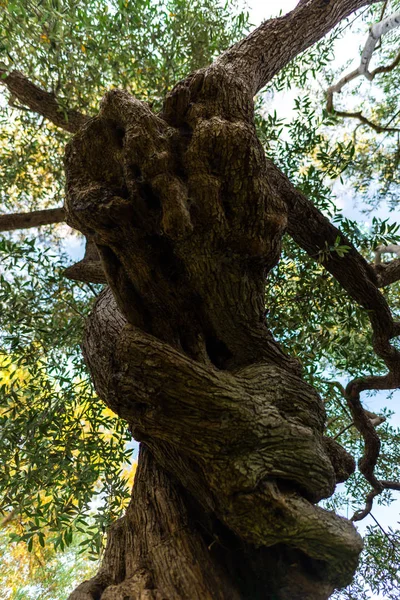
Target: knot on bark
{"x": 184, "y": 218}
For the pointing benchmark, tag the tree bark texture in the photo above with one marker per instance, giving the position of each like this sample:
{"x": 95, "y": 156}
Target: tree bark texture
{"x": 187, "y": 224}
{"x": 187, "y": 215}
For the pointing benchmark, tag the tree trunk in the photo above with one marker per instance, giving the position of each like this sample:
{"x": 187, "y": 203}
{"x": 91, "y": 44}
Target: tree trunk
{"x": 187, "y": 215}
{"x": 233, "y": 460}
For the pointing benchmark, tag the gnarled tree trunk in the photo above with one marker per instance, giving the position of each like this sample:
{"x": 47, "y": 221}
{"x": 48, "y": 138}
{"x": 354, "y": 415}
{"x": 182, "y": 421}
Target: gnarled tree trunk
{"x": 188, "y": 215}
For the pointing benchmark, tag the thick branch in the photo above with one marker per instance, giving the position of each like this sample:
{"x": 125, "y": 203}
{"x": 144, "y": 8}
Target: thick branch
{"x": 270, "y": 47}
{"x": 312, "y": 231}
{"x": 40, "y": 101}
{"x": 35, "y": 218}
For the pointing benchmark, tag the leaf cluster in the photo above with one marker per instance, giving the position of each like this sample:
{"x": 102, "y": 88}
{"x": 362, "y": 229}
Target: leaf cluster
{"x": 61, "y": 449}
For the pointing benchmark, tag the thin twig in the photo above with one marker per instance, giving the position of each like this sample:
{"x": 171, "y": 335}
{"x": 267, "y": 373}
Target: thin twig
{"x": 384, "y": 532}
{"x": 343, "y": 430}
{"x": 360, "y": 117}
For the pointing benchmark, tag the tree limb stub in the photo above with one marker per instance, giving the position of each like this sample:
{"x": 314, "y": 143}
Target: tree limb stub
{"x": 35, "y": 218}
{"x": 89, "y": 269}
{"x": 40, "y": 101}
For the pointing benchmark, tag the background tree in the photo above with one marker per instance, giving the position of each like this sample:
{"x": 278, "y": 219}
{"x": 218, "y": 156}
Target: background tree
{"x": 328, "y": 250}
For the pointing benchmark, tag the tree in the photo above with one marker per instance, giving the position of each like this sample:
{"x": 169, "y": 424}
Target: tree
{"x": 40, "y": 572}
{"x": 187, "y": 215}
{"x": 53, "y": 426}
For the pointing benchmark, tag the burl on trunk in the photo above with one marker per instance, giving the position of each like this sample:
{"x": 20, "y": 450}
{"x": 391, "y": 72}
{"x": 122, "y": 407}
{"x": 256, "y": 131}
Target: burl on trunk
{"x": 188, "y": 215}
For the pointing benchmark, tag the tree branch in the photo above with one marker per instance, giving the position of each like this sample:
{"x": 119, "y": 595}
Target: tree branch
{"x": 312, "y": 231}
{"x": 89, "y": 269}
{"x": 360, "y": 117}
{"x": 385, "y": 485}
{"x": 375, "y": 421}
{"x": 263, "y": 53}
{"x": 375, "y": 33}
{"x": 40, "y": 101}
{"x": 35, "y": 218}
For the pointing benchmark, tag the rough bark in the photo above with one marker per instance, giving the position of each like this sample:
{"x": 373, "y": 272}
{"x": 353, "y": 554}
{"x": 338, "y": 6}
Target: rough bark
{"x": 187, "y": 216}
{"x": 89, "y": 269}
{"x": 167, "y": 547}
{"x": 187, "y": 224}
{"x": 256, "y": 59}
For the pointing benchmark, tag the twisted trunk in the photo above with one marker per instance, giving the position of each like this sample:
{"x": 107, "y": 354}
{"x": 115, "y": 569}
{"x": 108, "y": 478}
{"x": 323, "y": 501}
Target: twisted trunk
{"x": 184, "y": 217}
{"x": 187, "y": 218}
